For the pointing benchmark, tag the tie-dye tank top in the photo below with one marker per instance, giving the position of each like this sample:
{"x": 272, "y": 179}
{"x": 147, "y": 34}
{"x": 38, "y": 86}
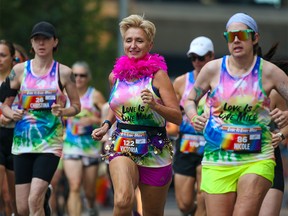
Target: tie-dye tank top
{"x": 39, "y": 131}
{"x": 191, "y": 141}
{"x": 237, "y": 131}
{"x": 126, "y": 103}
{"x": 186, "y": 126}
{"x": 78, "y": 140}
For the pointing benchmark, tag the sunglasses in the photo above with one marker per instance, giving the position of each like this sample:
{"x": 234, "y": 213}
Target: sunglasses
{"x": 195, "y": 57}
{"x": 80, "y": 75}
{"x": 242, "y": 35}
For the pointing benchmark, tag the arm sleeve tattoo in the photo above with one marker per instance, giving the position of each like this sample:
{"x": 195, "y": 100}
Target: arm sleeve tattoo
{"x": 199, "y": 94}
{"x": 12, "y": 75}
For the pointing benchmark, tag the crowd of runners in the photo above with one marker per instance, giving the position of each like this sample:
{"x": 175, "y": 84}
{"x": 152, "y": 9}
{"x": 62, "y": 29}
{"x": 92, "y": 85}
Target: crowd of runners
{"x": 229, "y": 118}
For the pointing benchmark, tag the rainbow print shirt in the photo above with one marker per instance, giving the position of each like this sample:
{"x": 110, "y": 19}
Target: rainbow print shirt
{"x": 78, "y": 140}
{"x": 237, "y": 131}
{"x": 191, "y": 140}
{"x": 39, "y": 131}
{"x": 126, "y": 103}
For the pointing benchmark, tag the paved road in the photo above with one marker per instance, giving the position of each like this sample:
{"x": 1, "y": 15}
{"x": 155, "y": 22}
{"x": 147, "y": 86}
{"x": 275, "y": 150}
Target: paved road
{"x": 170, "y": 209}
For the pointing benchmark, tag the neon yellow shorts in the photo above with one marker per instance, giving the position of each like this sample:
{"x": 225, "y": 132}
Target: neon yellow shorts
{"x": 224, "y": 179}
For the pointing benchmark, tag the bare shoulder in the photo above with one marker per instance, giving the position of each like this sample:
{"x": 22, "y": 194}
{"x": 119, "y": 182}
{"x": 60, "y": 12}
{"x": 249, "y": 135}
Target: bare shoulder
{"x": 64, "y": 69}
{"x": 213, "y": 66}
{"x": 97, "y": 93}
{"x": 98, "y": 98}
{"x": 19, "y": 68}
{"x": 17, "y": 72}
{"x": 273, "y": 76}
{"x": 66, "y": 74}
{"x": 161, "y": 77}
{"x": 270, "y": 69}
{"x": 180, "y": 80}
{"x": 161, "y": 74}
{"x": 111, "y": 79}
{"x": 179, "y": 84}
{"x": 210, "y": 71}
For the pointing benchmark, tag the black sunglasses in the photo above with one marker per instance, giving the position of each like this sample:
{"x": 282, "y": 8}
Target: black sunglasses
{"x": 195, "y": 57}
{"x": 80, "y": 75}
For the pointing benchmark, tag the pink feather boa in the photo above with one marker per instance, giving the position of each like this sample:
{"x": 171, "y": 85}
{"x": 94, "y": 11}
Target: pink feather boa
{"x": 131, "y": 68}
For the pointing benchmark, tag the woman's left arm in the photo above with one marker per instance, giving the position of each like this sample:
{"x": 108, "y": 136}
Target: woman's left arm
{"x": 68, "y": 81}
{"x": 279, "y": 109}
{"x": 278, "y": 105}
{"x": 170, "y": 109}
{"x": 99, "y": 101}
{"x": 275, "y": 78}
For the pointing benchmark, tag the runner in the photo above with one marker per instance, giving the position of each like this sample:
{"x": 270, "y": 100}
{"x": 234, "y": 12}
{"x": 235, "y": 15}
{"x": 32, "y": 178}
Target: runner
{"x": 37, "y": 141}
{"x": 142, "y": 99}
{"x": 238, "y": 163}
{"x": 190, "y": 145}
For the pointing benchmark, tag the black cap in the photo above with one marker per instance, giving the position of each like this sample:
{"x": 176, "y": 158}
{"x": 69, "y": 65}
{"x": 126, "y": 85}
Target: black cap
{"x": 43, "y": 28}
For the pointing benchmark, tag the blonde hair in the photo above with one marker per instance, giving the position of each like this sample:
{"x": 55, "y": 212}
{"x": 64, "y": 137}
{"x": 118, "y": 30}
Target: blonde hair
{"x": 137, "y": 21}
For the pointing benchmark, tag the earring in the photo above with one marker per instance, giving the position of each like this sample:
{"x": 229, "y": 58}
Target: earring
{"x": 16, "y": 59}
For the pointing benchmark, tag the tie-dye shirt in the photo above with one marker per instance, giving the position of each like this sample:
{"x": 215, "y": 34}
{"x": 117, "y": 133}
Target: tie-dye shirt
{"x": 128, "y": 107}
{"x": 186, "y": 126}
{"x": 126, "y": 103}
{"x": 237, "y": 131}
{"x": 39, "y": 131}
{"x": 78, "y": 140}
{"x": 191, "y": 140}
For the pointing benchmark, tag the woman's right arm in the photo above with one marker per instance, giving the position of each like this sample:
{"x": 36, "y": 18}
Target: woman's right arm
{"x": 202, "y": 85}
{"x": 98, "y": 133}
{"x": 14, "y": 83}
{"x": 68, "y": 80}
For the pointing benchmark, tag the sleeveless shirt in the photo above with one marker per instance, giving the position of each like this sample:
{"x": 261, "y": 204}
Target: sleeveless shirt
{"x": 237, "y": 131}
{"x": 191, "y": 141}
{"x": 186, "y": 126}
{"x": 39, "y": 131}
{"x": 78, "y": 140}
{"x": 126, "y": 103}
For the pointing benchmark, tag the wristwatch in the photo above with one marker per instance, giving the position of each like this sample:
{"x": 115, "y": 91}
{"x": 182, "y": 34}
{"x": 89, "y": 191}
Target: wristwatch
{"x": 280, "y": 135}
{"x": 107, "y": 122}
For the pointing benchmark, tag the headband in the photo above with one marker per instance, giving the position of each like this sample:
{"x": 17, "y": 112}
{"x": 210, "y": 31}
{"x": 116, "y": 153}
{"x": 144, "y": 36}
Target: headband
{"x": 245, "y": 19}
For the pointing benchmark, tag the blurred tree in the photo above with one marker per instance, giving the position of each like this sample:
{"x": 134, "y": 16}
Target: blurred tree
{"x": 83, "y": 33}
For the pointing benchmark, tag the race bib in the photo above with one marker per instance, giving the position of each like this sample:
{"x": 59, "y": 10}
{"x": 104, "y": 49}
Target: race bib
{"x": 78, "y": 129}
{"x": 134, "y": 142}
{"x": 38, "y": 99}
{"x": 241, "y": 139}
{"x": 192, "y": 144}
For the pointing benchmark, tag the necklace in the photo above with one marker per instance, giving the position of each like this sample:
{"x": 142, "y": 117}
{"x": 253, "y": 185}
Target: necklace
{"x": 131, "y": 68}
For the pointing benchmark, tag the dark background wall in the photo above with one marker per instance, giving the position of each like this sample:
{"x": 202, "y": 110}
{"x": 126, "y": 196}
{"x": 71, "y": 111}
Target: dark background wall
{"x": 178, "y": 22}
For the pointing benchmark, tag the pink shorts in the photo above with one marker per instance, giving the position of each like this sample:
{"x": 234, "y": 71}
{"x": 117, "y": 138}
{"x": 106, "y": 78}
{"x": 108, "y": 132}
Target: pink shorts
{"x": 155, "y": 176}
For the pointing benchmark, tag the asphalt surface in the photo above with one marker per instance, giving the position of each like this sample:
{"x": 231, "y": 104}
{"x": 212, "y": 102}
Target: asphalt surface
{"x": 170, "y": 209}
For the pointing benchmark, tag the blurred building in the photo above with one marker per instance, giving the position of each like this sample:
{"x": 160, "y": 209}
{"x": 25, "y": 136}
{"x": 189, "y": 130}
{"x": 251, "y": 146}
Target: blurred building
{"x": 179, "y": 21}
